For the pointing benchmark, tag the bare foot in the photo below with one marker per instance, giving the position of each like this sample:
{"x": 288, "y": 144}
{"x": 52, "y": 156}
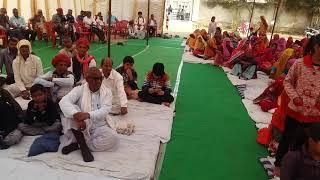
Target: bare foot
{"x": 166, "y": 104}
{"x": 276, "y": 171}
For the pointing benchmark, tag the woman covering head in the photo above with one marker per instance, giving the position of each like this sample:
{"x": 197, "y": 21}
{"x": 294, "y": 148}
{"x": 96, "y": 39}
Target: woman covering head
{"x": 263, "y": 28}
{"x": 280, "y": 65}
{"x": 289, "y": 42}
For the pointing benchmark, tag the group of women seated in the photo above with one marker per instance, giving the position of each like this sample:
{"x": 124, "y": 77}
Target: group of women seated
{"x": 245, "y": 56}
{"x": 293, "y": 93}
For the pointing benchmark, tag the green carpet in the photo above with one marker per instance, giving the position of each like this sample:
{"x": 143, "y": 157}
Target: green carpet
{"x": 213, "y": 136}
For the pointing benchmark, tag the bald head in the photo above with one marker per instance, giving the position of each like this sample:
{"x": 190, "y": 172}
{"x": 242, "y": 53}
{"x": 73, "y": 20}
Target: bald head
{"x": 94, "y": 78}
{"x": 106, "y": 65}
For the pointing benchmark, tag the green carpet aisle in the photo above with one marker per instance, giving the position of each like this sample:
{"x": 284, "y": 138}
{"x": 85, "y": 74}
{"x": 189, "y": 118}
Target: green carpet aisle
{"x": 213, "y": 136}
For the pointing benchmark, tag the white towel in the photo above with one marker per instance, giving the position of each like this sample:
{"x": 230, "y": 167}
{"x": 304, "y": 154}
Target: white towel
{"x": 122, "y": 125}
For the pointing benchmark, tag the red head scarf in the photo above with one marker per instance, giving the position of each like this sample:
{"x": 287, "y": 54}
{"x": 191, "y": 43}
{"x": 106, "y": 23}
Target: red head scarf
{"x": 61, "y": 58}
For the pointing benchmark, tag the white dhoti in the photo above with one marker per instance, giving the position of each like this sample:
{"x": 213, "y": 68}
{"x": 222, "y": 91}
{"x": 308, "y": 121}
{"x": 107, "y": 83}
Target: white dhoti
{"x": 98, "y": 139}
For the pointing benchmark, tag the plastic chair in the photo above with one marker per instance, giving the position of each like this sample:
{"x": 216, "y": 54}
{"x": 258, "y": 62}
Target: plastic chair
{"x": 51, "y": 34}
{"x": 4, "y": 37}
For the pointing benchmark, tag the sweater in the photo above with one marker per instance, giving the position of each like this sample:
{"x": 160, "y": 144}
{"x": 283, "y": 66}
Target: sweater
{"x": 303, "y": 80}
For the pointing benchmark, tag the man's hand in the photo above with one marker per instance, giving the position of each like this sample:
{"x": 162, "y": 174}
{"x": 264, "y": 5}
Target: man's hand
{"x": 25, "y": 95}
{"x": 161, "y": 93}
{"x": 298, "y": 101}
{"x": 129, "y": 73}
{"x": 124, "y": 110}
{"x": 81, "y": 116}
{"x": 81, "y": 125}
{"x": 151, "y": 90}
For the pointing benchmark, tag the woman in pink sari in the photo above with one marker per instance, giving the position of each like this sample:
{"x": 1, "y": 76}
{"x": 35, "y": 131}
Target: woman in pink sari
{"x": 227, "y": 48}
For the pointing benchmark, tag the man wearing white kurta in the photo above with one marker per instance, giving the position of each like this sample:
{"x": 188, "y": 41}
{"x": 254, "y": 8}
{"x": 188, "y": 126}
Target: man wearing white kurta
{"x": 139, "y": 22}
{"x": 85, "y": 110}
{"x": 114, "y": 81}
{"x": 26, "y": 68}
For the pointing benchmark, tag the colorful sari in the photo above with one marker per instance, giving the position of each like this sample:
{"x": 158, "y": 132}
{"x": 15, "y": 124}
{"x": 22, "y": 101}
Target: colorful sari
{"x": 269, "y": 98}
{"x": 271, "y": 136}
{"x": 280, "y": 65}
{"x": 263, "y": 27}
{"x": 289, "y": 42}
{"x": 242, "y": 62}
{"x": 227, "y": 48}
{"x": 210, "y": 49}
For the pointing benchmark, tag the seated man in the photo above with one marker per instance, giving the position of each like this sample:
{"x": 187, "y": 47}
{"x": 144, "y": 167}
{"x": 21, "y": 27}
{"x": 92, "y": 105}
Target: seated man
{"x": 60, "y": 80}
{"x": 69, "y": 48}
{"x": 59, "y": 21}
{"x": 26, "y": 68}
{"x": 131, "y": 32}
{"x": 71, "y": 29}
{"x": 81, "y": 16}
{"x": 4, "y": 24}
{"x": 114, "y": 81}
{"x": 82, "y": 60}
{"x": 37, "y": 22}
{"x": 85, "y": 110}
{"x": 11, "y": 116}
{"x": 152, "y": 25}
{"x": 129, "y": 77}
{"x": 139, "y": 22}
{"x": 156, "y": 87}
{"x": 6, "y": 58}
{"x": 42, "y": 115}
{"x": 91, "y": 24}
{"x": 20, "y": 29}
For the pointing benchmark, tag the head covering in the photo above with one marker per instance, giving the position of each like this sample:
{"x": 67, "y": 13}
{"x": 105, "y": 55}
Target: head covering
{"x": 289, "y": 42}
{"x": 23, "y": 42}
{"x": 61, "y": 58}
{"x": 83, "y": 41}
{"x": 281, "y": 44}
{"x": 291, "y": 61}
{"x": 282, "y": 61}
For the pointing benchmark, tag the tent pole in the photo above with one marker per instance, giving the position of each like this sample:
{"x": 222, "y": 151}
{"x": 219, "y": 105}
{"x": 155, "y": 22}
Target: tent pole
{"x": 109, "y": 29}
{"x": 275, "y": 18}
{"x": 148, "y": 22}
{"x": 253, "y": 5}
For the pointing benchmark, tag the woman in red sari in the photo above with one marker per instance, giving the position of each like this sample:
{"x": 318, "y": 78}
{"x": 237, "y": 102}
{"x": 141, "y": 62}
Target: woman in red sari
{"x": 289, "y": 42}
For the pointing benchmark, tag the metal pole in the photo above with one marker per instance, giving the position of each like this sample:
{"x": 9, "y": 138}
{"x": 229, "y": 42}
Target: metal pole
{"x": 148, "y": 22}
{"x": 253, "y": 5}
{"x": 109, "y": 29}
{"x": 275, "y": 18}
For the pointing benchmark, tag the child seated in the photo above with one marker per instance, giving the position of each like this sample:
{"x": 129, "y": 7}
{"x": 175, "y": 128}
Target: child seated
{"x": 156, "y": 87}
{"x": 304, "y": 163}
{"x": 129, "y": 77}
{"x": 42, "y": 114}
{"x": 60, "y": 80}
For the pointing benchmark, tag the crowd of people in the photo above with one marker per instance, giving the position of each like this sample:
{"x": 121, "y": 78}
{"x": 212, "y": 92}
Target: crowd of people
{"x": 73, "y": 100}
{"x": 67, "y": 25}
{"x": 293, "y": 136}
